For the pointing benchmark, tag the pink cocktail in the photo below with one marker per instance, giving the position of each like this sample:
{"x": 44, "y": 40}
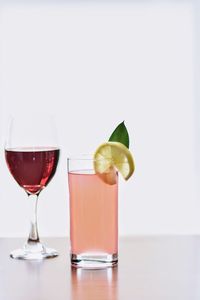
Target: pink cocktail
{"x": 93, "y": 218}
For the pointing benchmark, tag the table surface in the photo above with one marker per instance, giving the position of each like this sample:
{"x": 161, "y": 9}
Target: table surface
{"x": 162, "y": 267}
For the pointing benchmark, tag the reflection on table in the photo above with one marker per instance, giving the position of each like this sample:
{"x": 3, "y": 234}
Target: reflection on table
{"x": 94, "y": 284}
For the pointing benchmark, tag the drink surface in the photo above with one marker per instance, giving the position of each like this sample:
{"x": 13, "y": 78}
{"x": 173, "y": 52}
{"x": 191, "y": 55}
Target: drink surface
{"x": 32, "y": 168}
{"x": 93, "y": 214}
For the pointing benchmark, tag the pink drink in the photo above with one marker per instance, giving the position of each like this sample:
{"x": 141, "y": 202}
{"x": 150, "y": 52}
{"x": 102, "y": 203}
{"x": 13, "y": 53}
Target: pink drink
{"x": 93, "y": 217}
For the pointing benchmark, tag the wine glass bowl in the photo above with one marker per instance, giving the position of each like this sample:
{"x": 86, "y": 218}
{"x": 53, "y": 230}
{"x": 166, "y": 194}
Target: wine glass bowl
{"x": 32, "y": 155}
{"x": 32, "y": 168}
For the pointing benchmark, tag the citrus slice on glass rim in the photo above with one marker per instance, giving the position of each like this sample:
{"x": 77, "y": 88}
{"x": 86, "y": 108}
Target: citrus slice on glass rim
{"x": 112, "y": 156}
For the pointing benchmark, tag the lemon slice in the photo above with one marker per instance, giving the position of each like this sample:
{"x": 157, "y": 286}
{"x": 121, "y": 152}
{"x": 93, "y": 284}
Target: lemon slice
{"x": 111, "y": 156}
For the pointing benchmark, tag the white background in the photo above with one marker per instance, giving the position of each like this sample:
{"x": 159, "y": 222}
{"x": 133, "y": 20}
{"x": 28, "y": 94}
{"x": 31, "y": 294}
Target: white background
{"x": 94, "y": 65}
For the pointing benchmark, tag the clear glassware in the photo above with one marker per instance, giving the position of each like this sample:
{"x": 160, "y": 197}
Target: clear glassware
{"x": 32, "y": 155}
{"x": 93, "y": 216}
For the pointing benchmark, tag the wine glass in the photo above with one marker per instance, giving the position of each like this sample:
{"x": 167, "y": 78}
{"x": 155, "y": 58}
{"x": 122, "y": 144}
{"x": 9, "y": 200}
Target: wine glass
{"x": 32, "y": 155}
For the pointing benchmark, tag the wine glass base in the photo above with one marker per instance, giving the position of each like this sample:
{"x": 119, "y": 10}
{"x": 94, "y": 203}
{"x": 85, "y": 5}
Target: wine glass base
{"x": 28, "y": 255}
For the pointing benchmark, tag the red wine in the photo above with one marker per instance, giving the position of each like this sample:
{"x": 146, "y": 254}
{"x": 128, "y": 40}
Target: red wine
{"x": 32, "y": 168}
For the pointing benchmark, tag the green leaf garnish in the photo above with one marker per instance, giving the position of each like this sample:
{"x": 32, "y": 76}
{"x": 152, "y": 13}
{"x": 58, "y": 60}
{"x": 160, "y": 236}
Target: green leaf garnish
{"x": 120, "y": 134}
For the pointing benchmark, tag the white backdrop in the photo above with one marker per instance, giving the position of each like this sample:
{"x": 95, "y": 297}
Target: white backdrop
{"x": 93, "y": 66}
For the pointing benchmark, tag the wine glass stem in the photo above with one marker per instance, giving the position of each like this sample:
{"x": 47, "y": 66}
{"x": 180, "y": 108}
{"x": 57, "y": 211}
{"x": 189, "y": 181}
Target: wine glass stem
{"x": 33, "y": 234}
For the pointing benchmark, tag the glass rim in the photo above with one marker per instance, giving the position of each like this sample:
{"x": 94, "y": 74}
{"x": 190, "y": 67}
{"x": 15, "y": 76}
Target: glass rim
{"x": 82, "y": 157}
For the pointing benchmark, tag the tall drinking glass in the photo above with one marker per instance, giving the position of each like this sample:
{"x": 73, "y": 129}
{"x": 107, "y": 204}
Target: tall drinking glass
{"x": 32, "y": 156}
{"x": 93, "y": 216}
